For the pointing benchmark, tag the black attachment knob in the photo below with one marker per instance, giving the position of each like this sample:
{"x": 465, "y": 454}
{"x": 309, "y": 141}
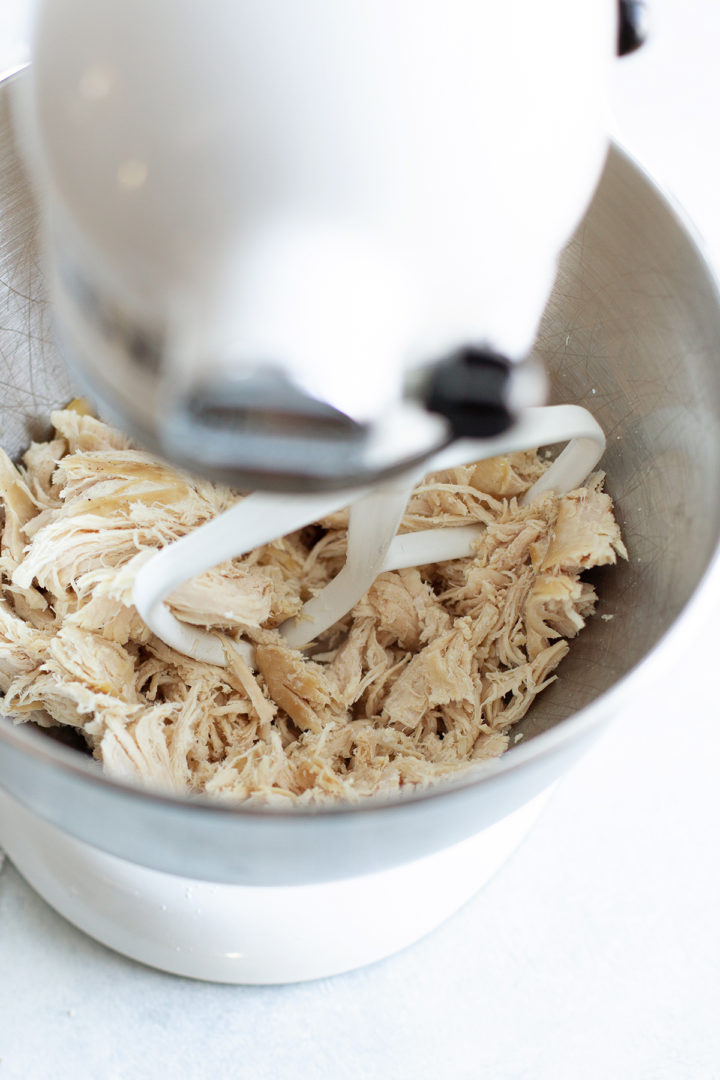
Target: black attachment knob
{"x": 632, "y": 26}
{"x": 470, "y": 389}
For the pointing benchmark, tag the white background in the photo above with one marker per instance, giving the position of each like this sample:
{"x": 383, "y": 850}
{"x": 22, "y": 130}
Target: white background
{"x": 594, "y": 953}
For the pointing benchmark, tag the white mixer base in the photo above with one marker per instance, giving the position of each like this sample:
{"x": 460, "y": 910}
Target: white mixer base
{"x": 246, "y": 934}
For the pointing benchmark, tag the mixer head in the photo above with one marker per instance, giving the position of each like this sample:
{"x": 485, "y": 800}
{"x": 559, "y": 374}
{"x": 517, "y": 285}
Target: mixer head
{"x": 304, "y": 246}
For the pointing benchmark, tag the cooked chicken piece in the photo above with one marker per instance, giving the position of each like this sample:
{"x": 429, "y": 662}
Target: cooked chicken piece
{"x": 556, "y": 607}
{"x": 297, "y": 685}
{"x": 82, "y": 431}
{"x": 19, "y": 508}
{"x": 585, "y": 532}
{"x": 506, "y": 476}
{"x": 406, "y": 610}
{"x": 226, "y": 596}
{"x": 40, "y": 460}
{"x": 439, "y": 674}
{"x": 422, "y": 679}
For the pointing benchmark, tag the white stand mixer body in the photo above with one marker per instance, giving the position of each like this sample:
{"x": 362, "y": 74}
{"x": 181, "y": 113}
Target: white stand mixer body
{"x": 252, "y": 934}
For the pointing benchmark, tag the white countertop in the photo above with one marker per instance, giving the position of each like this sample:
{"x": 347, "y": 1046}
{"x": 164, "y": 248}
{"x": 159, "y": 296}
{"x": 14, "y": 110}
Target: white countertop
{"x": 594, "y": 953}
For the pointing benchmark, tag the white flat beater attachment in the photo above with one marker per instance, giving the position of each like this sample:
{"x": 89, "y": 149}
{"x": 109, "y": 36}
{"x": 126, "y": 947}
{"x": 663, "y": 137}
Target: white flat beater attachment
{"x": 372, "y": 543}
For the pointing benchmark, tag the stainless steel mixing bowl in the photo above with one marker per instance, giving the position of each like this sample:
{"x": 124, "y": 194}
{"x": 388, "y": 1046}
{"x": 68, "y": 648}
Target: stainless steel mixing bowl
{"x": 633, "y": 332}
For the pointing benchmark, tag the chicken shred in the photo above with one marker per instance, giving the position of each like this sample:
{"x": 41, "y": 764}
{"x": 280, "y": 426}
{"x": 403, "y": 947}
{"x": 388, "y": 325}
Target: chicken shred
{"x": 422, "y": 679}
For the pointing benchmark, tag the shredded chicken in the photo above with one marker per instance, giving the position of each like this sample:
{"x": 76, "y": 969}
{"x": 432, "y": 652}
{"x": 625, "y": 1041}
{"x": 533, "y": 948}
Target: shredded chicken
{"x": 423, "y": 678}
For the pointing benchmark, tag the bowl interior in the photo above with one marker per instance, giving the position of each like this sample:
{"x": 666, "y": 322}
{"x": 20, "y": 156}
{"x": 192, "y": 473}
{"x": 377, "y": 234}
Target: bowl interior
{"x": 632, "y": 331}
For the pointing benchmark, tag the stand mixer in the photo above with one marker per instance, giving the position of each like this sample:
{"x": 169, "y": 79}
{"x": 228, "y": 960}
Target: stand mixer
{"x": 305, "y": 250}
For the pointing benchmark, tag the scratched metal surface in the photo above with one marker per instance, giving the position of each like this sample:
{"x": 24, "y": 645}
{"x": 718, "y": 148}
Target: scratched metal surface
{"x": 631, "y": 331}
{"x": 32, "y": 376}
